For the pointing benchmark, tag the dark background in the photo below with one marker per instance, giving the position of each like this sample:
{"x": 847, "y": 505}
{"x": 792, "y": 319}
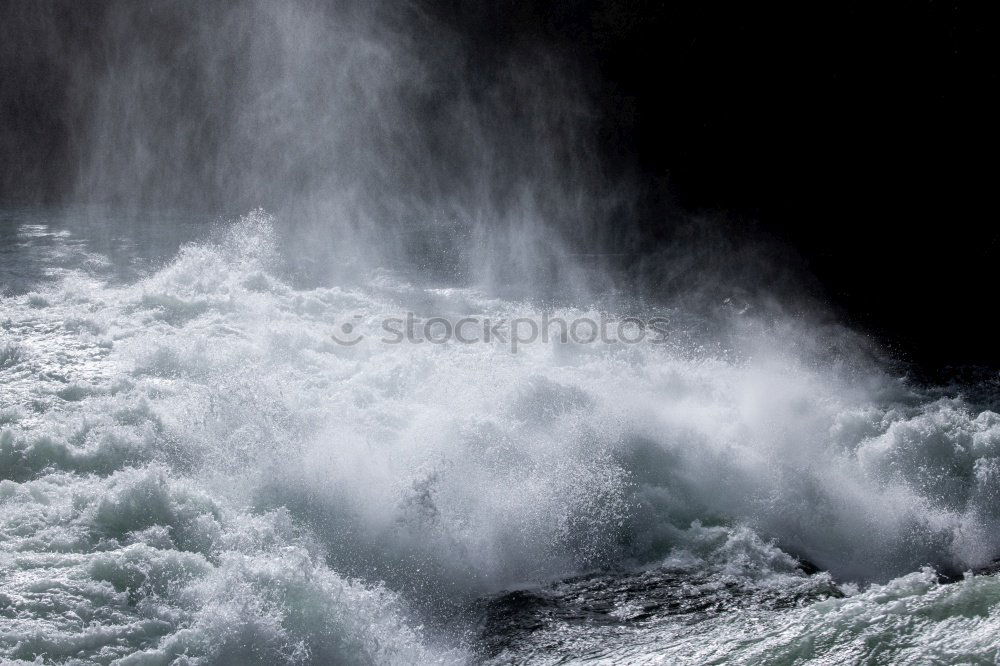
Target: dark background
{"x": 861, "y": 134}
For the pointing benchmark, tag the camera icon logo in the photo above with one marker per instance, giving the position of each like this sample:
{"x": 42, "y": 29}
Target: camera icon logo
{"x": 346, "y": 334}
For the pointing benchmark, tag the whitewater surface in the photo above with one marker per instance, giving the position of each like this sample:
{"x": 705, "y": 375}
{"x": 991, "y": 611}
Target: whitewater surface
{"x": 194, "y": 470}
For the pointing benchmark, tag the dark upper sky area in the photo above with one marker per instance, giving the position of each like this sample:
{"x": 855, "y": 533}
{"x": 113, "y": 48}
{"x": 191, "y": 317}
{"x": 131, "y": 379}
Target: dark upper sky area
{"x": 864, "y": 134}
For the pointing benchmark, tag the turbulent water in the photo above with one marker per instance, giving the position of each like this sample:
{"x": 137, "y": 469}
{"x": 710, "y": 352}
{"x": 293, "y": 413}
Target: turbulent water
{"x": 194, "y": 470}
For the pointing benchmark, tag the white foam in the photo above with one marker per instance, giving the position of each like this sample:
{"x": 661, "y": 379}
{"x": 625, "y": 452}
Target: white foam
{"x": 147, "y": 451}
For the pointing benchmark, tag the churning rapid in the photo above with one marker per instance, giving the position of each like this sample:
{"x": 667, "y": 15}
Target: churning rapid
{"x": 210, "y": 454}
{"x": 196, "y": 471}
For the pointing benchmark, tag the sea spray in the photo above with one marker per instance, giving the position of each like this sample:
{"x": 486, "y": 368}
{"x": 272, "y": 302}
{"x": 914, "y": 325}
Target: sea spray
{"x": 192, "y": 464}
